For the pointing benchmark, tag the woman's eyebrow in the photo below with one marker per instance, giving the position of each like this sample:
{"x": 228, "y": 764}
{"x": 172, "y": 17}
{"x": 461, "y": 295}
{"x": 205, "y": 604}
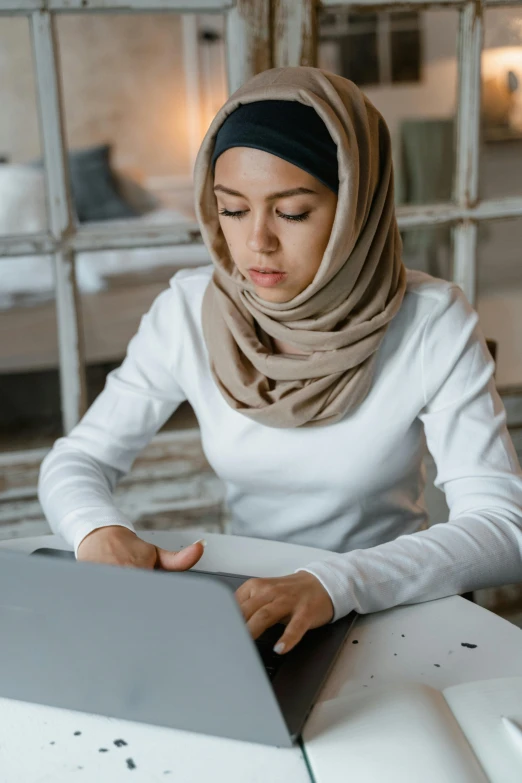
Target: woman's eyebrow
{"x": 281, "y": 194}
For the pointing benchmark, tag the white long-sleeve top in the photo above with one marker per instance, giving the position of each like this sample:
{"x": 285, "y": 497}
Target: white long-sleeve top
{"x": 354, "y": 487}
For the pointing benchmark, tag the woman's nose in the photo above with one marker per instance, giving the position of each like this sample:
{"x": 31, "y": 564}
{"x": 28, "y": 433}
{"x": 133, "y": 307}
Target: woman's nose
{"x": 261, "y": 239}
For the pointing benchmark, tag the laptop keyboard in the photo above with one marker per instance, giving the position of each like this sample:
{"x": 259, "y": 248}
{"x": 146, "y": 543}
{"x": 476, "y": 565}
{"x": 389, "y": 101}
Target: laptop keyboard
{"x": 265, "y": 643}
{"x": 271, "y": 670}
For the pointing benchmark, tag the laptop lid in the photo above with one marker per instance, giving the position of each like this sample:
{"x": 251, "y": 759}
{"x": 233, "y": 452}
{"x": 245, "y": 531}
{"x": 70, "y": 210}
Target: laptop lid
{"x": 164, "y": 648}
{"x": 296, "y": 677}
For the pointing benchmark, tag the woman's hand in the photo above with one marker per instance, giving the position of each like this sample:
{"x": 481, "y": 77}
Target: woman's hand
{"x": 298, "y": 600}
{"x": 117, "y": 545}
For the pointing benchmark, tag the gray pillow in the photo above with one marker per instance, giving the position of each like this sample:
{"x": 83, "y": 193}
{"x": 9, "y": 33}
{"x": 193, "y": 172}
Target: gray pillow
{"x": 94, "y": 186}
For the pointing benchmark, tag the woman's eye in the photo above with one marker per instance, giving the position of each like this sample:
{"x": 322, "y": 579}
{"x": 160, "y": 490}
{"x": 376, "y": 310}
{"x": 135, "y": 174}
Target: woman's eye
{"x": 294, "y": 218}
{"x": 227, "y": 213}
{"x": 239, "y": 214}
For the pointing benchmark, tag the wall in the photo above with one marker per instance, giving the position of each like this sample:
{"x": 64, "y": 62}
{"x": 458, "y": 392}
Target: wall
{"x": 19, "y": 138}
{"x": 123, "y": 83}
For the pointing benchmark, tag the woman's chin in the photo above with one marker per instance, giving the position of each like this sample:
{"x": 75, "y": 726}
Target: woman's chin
{"x": 274, "y": 295}
{"x": 279, "y": 293}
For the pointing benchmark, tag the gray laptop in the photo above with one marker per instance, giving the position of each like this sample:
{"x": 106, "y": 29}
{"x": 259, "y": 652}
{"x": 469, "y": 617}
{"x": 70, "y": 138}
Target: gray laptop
{"x": 166, "y": 648}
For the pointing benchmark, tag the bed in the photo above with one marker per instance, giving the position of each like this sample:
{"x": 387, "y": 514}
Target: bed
{"x": 116, "y": 286}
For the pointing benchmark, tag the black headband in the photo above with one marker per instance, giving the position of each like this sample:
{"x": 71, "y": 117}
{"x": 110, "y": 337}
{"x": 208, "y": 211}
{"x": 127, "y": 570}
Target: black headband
{"x": 289, "y": 129}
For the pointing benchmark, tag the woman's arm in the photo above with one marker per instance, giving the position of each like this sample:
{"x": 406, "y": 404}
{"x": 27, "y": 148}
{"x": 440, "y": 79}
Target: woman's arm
{"x": 78, "y": 476}
{"x": 465, "y": 426}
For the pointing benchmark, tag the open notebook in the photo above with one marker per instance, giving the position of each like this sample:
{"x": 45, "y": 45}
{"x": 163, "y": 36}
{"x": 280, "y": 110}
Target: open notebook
{"x": 412, "y": 732}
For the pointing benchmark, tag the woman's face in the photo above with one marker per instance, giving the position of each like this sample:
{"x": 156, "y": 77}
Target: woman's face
{"x": 274, "y": 216}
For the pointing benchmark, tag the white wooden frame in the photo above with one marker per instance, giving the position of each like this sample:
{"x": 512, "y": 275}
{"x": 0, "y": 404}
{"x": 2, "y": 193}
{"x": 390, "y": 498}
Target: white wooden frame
{"x": 248, "y": 51}
{"x": 260, "y": 33}
{"x": 292, "y": 47}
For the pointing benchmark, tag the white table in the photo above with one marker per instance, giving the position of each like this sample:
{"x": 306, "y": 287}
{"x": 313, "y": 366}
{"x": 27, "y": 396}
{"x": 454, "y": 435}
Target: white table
{"x": 420, "y": 643}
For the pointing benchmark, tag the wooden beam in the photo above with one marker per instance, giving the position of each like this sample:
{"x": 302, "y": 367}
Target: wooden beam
{"x": 436, "y": 214}
{"x": 248, "y": 41}
{"x": 464, "y": 235}
{"x": 294, "y": 32}
{"x": 150, "y": 6}
{"x": 60, "y": 214}
{"x": 90, "y": 238}
{"x": 26, "y": 245}
{"x": 99, "y": 238}
{"x": 364, "y": 5}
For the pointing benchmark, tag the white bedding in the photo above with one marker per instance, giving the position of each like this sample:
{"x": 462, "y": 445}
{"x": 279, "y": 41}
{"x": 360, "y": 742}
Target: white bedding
{"x": 25, "y": 280}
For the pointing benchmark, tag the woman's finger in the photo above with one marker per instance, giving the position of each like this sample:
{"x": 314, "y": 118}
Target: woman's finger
{"x": 255, "y": 602}
{"x": 251, "y": 595}
{"x": 254, "y": 586}
{"x": 294, "y": 632}
{"x": 266, "y": 616}
{"x": 182, "y": 560}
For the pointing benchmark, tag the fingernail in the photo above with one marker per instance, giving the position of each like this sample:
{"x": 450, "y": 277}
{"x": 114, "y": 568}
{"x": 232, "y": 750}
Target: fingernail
{"x": 200, "y": 541}
{"x": 279, "y": 647}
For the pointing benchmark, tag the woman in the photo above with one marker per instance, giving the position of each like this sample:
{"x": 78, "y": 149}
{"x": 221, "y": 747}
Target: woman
{"x": 316, "y": 366}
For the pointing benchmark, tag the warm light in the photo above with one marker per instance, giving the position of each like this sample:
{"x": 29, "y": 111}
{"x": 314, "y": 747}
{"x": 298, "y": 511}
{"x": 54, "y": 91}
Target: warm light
{"x": 502, "y": 87}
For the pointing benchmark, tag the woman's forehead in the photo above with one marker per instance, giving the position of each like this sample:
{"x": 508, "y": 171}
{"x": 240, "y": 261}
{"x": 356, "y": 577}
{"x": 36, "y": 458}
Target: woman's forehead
{"x": 241, "y": 168}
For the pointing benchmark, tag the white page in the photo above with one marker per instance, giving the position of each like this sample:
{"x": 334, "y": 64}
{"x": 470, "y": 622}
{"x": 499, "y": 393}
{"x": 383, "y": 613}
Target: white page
{"x": 478, "y": 707}
{"x": 395, "y": 733}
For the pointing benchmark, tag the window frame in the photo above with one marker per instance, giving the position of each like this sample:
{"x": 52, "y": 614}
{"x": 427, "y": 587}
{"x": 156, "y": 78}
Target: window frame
{"x": 248, "y": 50}
{"x": 260, "y": 34}
{"x": 294, "y": 23}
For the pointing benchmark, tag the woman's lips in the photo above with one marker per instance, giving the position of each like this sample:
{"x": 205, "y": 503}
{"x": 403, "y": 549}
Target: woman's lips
{"x": 266, "y": 279}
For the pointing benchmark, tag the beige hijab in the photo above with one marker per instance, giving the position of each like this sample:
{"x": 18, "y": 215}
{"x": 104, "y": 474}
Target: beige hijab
{"x": 340, "y": 319}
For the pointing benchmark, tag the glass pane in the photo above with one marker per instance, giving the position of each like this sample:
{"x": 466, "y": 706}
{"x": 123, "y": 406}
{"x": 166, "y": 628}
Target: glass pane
{"x": 359, "y": 60}
{"x": 416, "y": 91}
{"x": 30, "y": 414}
{"x": 406, "y": 55}
{"x": 358, "y": 49}
{"x": 348, "y": 45}
{"x": 501, "y": 149}
{"x": 139, "y": 93}
{"x": 22, "y": 188}
{"x": 499, "y": 301}
{"x": 428, "y": 250}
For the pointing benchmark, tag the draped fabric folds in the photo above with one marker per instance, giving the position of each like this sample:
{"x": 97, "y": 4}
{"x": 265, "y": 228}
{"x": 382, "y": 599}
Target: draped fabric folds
{"x": 340, "y": 319}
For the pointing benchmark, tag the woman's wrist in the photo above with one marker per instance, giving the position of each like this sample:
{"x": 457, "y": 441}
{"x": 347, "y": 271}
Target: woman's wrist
{"x": 107, "y": 532}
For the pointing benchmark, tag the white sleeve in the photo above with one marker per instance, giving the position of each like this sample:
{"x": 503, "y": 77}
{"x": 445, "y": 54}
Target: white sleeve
{"x": 78, "y": 476}
{"x": 477, "y": 468}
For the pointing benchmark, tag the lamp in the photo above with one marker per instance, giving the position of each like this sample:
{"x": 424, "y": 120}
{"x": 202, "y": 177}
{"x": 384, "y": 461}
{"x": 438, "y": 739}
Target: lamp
{"x": 502, "y": 79}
